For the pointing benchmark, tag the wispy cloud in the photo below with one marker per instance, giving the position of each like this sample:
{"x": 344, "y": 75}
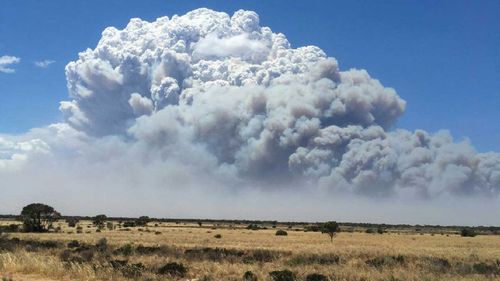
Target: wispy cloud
{"x": 44, "y": 63}
{"x": 6, "y": 62}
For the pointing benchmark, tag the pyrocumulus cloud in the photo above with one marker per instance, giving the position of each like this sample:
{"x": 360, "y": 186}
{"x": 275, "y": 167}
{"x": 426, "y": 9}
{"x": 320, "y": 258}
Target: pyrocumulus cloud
{"x": 207, "y": 99}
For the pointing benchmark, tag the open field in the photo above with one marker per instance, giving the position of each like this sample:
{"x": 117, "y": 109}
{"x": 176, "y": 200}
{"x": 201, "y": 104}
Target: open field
{"x": 140, "y": 253}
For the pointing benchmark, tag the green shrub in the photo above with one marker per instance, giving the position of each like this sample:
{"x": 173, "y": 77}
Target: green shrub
{"x": 313, "y": 228}
{"x": 173, "y": 269}
{"x": 316, "y": 277}
{"x": 125, "y": 250}
{"x": 132, "y": 270}
{"x": 253, "y": 227}
{"x": 71, "y": 222}
{"x": 73, "y": 244}
{"x": 282, "y": 275}
{"x": 281, "y": 232}
{"x": 386, "y": 261}
{"x": 467, "y": 232}
{"x": 129, "y": 224}
{"x": 439, "y": 264}
{"x": 110, "y": 226}
{"x": 484, "y": 268}
{"x": 102, "y": 245}
{"x": 249, "y": 276}
{"x": 325, "y": 259}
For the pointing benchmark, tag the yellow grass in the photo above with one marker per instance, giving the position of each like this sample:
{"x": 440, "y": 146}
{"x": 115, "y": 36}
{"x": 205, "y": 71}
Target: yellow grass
{"x": 354, "y": 250}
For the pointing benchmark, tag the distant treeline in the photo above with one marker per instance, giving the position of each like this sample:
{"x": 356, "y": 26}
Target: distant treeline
{"x": 417, "y": 227}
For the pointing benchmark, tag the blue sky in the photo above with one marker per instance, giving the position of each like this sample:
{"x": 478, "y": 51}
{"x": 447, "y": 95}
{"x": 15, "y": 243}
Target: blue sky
{"x": 442, "y": 57}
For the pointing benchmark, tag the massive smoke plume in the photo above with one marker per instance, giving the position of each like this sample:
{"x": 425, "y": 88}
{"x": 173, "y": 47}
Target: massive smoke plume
{"x": 217, "y": 100}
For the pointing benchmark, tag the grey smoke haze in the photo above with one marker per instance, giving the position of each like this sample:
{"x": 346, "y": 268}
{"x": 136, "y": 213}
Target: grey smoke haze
{"x": 208, "y": 114}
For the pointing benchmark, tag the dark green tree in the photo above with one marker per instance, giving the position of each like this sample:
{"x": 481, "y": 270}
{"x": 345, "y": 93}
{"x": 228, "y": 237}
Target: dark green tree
{"x": 99, "y": 221}
{"x": 142, "y": 221}
{"x": 38, "y": 217}
{"x": 331, "y": 228}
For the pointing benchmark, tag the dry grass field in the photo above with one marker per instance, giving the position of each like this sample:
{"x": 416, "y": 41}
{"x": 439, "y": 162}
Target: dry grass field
{"x": 141, "y": 253}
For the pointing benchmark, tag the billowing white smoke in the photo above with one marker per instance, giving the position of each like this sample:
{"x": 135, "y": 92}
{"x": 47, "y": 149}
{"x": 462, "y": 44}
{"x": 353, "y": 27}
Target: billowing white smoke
{"x": 206, "y": 97}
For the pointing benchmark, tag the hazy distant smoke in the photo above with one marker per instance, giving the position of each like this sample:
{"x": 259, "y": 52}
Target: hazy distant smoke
{"x": 232, "y": 101}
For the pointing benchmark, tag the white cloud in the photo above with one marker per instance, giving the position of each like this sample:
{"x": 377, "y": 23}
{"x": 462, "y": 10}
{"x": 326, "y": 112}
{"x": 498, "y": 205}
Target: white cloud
{"x": 6, "y": 62}
{"x": 44, "y": 63}
{"x": 208, "y": 103}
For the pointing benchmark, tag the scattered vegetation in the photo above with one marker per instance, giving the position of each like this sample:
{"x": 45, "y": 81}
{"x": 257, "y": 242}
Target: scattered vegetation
{"x": 184, "y": 250}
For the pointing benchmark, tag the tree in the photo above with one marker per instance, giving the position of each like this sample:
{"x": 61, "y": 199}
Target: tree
{"x": 72, "y": 222}
{"x": 38, "y": 217}
{"x": 99, "y": 221}
{"x": 331, "y": 228}
{"x": 467, "y": 232}
{"x": 142, "y": 221}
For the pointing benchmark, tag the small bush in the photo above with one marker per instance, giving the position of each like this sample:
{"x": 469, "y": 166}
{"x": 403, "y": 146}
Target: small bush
{"x": 6, "y": 243}
{"x": 110, "y": 226}
{"x": 380, "y": 230}
{"x": 125, "y": 250}
{"x": 218, "y": 236}
{"x": 35, "y": 245}
{"x": 281, "y": 232}
{"x": 325, "y": 259}
{"x": 316, "y": 277}
{"x": 102, "y": 245}
{"x": 386, "y": 261}
{"x": 129, "y": 224}
{"x": 213, "y": 254}
{"x": 71, "y": 222}
{"x": 253, "y": 227}
{"x": 370, "y": 230}
{"x": 439, "y": 264}
{"x": 467, "y": 232}
{"x": 313, "y": 228}
{"x": 87, "y": 255}
{"x": 262, "y": 255}
{"x": 147, "y": 250}
{"x": 74, "y": 244}
{"x": 484, "y": 268}
{"x": 10, "y": 228}
{"x": 117, "y": 264}
{"x": 249, "y": 276}
{"x": 133, "y": 270}
{"x": 282, "y": 275}
{"x": 173, "y": 269}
